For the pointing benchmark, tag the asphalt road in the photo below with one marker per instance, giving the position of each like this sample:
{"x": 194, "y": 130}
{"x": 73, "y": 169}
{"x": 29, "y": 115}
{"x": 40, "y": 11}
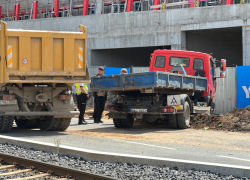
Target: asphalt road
{"x": 150, "y": 140}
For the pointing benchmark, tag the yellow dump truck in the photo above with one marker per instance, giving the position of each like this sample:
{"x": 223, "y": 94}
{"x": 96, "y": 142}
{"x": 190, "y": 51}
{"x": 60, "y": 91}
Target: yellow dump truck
{"x": 37, "y": 71}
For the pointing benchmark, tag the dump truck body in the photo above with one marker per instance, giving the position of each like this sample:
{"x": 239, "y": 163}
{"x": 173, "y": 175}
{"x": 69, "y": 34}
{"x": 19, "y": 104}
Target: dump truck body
{"x": 37, "y": 71}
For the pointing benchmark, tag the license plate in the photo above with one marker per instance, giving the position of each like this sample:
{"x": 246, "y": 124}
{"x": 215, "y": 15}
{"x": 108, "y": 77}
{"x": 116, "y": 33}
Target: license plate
{"x": 8, "y": 102}
{"x": 138, "y": 110}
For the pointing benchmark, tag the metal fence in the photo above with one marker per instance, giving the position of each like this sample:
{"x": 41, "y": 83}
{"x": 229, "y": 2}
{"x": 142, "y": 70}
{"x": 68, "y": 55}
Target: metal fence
{"x": 226, "y": 92}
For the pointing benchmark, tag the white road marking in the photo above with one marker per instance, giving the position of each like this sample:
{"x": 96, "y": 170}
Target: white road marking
{"x": 144, "y": 144}
{"x": 234, "y": 158}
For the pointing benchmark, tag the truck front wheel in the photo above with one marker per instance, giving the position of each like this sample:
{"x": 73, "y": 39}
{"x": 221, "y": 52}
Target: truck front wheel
{"x": 128, "y": 123}
{"x": 117, "y": 123}
{"x": 184, "y": 118}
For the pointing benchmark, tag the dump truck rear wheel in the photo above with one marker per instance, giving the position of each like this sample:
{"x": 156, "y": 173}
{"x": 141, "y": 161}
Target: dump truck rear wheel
{"x": 173, "y": 121}
{"x": 184, "y": 118}
{"x": 117, "y": 123}
{"x": 26, "y": 124}
{"x": 48, "y": 124}
{"x": 6, "y": 123}
{"x": 63, "y": 124}
{"x": 128, "y": 123}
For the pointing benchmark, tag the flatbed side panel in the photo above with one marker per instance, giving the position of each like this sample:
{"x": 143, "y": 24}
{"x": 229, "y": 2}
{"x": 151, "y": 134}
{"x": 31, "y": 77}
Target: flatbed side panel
{"x": 149, "y": 80}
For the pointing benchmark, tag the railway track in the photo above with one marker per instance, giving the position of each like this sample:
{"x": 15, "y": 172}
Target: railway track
{"x": 16, "y": 165}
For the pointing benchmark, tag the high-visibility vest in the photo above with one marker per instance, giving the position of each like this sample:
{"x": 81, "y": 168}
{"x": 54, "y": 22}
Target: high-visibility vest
{"x": 78, "y": 89}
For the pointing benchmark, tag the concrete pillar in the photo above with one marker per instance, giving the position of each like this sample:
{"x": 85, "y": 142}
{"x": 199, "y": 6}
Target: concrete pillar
{"x": 246, "y": 45}
{"x": 99, "y": 7}
{"x": 183, "y": 41}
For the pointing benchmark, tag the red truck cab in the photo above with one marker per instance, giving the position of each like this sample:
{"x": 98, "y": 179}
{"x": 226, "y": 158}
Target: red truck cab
{"x": 194, "y": 63}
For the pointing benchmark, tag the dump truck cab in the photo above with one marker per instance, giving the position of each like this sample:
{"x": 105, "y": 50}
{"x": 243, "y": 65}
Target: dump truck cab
{"x": 194, "y": 64}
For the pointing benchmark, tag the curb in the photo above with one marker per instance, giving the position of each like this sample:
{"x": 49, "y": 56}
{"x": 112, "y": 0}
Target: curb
{"x": 92, "y": 155}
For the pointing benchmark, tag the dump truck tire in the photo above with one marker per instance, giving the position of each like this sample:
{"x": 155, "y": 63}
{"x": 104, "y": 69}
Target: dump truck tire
{"x": 128, "y": 123}
{"x": 173, "y": 121}
{"x": 63, "y": 124}
{"x": 6, "y": 123}
{"x": 184, "y": 118}
{"x": 48, "y": 124}
{"x": 26, "y": 124}
{"x": 117, "y": 123}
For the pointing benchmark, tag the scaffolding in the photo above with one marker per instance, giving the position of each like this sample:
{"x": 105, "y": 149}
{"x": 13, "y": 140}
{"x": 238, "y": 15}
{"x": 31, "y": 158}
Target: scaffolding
{"x": 11, "y": 10}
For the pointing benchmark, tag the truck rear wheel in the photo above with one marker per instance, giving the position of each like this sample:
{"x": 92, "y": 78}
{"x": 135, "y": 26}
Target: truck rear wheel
{"x": 184, "y": 118}
{"x": 173, "y": 121}
{"x": 48, "y": 124}
{"x": 6, "y": 123}
{"x": 117, "y": 123}
{"x": 128, "y": 123}
{"x": 63, "y": 124}
{"x": 26, "y": 124}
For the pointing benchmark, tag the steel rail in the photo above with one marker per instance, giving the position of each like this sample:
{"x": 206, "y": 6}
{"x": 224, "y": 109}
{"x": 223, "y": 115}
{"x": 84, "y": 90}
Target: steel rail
{"x": 57, "y": 170}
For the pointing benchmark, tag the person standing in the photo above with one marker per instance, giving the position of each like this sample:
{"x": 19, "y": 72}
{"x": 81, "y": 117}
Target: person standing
{"x": 82, "y": 97}
{"x": 99, "y": 100}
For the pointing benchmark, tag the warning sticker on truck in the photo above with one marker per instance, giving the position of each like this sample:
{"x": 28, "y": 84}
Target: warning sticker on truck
{"x": 174, "y": 100}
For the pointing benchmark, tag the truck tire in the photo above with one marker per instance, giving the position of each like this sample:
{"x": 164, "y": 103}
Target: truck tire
{"x": 6, "y": 123}
{"x": 26, "y": 124}
{"x": 63, "y": 124}
{"x": 173, "y": 121}
{"x": 128, "y": 123}
{"x": 117, "y": 123}
{"x": 184, "y": 118}
{"x": 48, "y": 124}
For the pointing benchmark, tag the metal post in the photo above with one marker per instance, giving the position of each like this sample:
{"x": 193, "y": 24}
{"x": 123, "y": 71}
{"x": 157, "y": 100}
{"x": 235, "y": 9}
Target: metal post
{"x": 71, "y": 6}
{"x": 35, "y": 9}
{"x": 31, "y": 11}
{"x": 56, "y": 9}
{"x": 0, "y": 12}
{"x": 125, "y": 5}
{"x": 130, "y": 6}
{"x": 85, "y": 7}
{"x": 17, "y": 12}
{"x": 157, "y": 2}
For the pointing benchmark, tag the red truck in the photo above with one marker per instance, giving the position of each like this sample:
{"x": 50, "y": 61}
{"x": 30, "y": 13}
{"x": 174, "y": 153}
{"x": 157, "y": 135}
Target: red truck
{"x": 195, "y": 64}
{"x": 178, "y": 84}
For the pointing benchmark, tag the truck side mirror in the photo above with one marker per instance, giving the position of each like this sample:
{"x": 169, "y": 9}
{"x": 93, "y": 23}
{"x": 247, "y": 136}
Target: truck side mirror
{"x": 223, "y": 68}
{"x": 150, "y": 59}
{"x": 223, "y": 65}
{"x": 223, "y": 74}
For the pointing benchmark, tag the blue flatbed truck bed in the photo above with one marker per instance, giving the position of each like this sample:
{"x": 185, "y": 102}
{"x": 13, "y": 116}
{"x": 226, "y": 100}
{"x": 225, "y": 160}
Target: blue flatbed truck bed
{"x": 147, "y": 80}
{"x": 151, "y": 96}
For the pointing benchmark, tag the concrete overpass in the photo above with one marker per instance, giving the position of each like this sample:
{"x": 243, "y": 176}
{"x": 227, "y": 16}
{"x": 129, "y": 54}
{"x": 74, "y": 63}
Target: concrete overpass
{"x": 127, "y": 39}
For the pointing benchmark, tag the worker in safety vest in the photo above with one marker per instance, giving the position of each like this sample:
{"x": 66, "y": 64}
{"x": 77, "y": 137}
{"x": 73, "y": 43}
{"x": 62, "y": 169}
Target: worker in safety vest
{"x": 82, "y": 97}
{"x": 99, "y": 100}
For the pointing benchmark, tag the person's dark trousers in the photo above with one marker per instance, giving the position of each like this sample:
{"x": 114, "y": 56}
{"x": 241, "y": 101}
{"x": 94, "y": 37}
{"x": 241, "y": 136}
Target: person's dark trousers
{"x": 81, "y": 104}
{"x": 99, "y": 107}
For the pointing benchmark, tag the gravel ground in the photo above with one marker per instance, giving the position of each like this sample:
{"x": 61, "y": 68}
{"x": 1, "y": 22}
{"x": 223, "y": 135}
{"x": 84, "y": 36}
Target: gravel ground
{"x": 115, "y": 170}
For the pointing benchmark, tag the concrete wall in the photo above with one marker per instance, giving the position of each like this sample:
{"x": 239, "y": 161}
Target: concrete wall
{"x": 153, "y": 28}
{"x": 225, "y": 43}
{"x": 123, "y": 57}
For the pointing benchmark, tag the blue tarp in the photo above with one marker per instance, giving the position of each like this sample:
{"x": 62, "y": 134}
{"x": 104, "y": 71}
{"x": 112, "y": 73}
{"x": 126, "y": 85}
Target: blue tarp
{"x": 112, "y": 70}
{"x": 243, "y": 86}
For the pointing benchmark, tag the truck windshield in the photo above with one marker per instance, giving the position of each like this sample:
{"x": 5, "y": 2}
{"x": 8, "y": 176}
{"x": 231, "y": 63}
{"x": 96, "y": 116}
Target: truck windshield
{"x": 184, "y": 61}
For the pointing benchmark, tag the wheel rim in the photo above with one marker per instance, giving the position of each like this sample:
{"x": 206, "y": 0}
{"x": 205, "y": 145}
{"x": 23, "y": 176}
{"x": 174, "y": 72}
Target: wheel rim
{"x": 187, "y": 116}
